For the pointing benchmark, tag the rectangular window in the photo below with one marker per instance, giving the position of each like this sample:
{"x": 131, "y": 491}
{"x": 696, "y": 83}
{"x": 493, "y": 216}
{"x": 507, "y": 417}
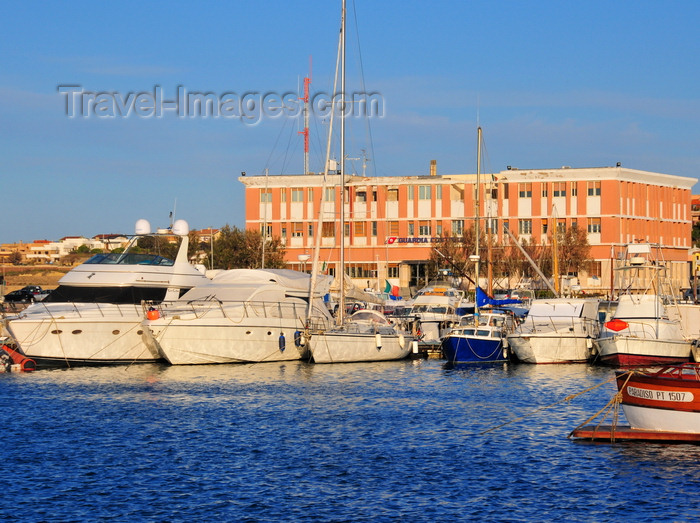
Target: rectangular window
{"x": 311, "y": 230}
{"x": 505, "y": 191}
{"x": 424, "y": 228}
{"x": 283, "y": 195}
{"x": 328, "y": 229}
{"x": 392, "y": 271}
{"x": 284, "y": 232}
{"x": 393, "y": 228}
{"x": 457, "y": 227}
{"x": 268, "y": 228}
{"x": 574, "y": 189}
{"x": 411, "y": 192}
{"x": 266, "y": 196}
{"x": 525, "y": 190}
{"x": 559, "y": 189}
{"x": 374, "y": 228}
{"x": 359, "y": 228}
{"x": 438, "y": 192}
{"x": 411, "y": 228}
{"x": 310, "y": 195}
{"x": 297, "y": 195}
{"x": 347, "y": 229}
{"x": 594, "y": 225}
{"x": 438, "y": 229}
{"x": 561, "y": 226}
{"x": 545, "y": 226}
{"x": 392, "y": 195}
{"x": 424, "y": 192}
{"x": 544, "y": 190}
{"x": 525, "y": 226}
{"x": 297, "y": 230}
{"x": 593, "y": 188}
{"x": 329, "y": 196}
{"x": 361, "y": 196}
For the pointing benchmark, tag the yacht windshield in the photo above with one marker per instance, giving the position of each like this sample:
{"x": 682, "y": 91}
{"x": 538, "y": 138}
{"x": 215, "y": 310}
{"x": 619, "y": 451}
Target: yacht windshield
{"x": 130, "y": 259}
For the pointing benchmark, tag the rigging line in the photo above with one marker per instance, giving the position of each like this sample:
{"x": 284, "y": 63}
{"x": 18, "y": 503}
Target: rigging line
{"x": 567, "y": 399}
{"x": 292, "y": 134}
{"x": 364, "y": 90}
{"x": 272, "y": 151}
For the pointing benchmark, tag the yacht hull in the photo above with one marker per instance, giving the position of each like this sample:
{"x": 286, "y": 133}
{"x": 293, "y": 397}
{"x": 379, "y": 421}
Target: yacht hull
{"x": 626, "y": 351}
{"x": 551, "y": 349}
{"x": 185, "y": 343}
{"x": 82, "y": 334}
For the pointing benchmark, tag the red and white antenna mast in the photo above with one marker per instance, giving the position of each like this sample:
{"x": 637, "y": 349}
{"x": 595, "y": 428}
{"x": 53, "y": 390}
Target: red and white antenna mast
{"x": 305, "y": 132}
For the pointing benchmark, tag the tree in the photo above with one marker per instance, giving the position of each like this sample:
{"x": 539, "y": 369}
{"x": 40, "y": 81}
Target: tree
{"x": 242, "y": 249}
{"x": 574, "y": 250}
{"x": 15, "y": 258}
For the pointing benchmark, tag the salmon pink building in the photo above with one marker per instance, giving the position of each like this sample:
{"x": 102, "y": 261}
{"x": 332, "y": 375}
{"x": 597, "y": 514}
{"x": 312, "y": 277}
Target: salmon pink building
{"x": 391, "y": 223}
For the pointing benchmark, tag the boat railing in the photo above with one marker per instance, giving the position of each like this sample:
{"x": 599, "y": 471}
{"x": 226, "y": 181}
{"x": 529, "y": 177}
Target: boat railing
{"x": 235, "y": 310}
{"x": 57, "y": 310}
{"x": 640, "y": 329}
{"x": 561, "y": 325}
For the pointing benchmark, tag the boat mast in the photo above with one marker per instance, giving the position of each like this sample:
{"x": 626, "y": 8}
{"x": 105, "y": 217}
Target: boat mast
{"x": 341, "y": 302}
{"x": 477, "y": 211}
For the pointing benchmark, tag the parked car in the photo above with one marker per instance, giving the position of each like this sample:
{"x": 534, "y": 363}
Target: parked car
{"x": 688, "y": 294}
{"x": 37, "y": 291}
{"x": 20, "y": 296}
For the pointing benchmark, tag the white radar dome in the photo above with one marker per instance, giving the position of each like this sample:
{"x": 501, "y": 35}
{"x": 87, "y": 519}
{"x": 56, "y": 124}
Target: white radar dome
{"x": 142, "y": 227}
{"x": 181, "y": 228}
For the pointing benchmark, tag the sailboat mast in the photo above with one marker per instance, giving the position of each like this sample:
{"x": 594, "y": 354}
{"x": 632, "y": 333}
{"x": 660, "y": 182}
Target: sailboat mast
{"x": 477, "y": 212}
{"x": 341, "y": 303}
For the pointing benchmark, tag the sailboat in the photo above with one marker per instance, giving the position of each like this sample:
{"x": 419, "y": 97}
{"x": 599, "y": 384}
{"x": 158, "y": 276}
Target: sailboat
{"x": 366, "y": 335}
{"x": 481, "y": 337}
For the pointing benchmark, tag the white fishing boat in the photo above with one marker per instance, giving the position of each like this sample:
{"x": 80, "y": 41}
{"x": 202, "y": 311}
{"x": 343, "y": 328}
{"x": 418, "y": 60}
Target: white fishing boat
{"x": 559, "y": 330}
{"x": 241, "y": 316}
{"x": 645, "y": 328}
{"x": 366, "y": 335}
{"x": 94, "y": 316}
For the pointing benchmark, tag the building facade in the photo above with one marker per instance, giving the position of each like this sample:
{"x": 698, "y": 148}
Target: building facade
{"x": 391, "y": 223}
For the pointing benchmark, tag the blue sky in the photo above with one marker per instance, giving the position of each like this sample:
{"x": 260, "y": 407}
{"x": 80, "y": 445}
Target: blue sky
{"x": 552, "y": 83}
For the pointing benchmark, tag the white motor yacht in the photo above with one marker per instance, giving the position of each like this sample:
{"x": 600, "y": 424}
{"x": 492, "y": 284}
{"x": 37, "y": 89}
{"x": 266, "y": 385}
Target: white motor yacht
{"x": 240, "y": 316}
{"x": 94, "y": 316}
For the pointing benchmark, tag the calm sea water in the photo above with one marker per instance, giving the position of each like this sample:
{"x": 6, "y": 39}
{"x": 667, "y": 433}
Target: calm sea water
{"x": 348, "y": 442}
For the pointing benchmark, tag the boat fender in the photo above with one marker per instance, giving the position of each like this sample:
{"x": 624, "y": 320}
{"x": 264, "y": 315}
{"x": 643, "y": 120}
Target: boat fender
{"x": 282, "y": 342}
{"x": 5, "y": 362}
{"x": 505, "y": 343}
{"x": 152, "y": 314}
{"x": 589, "y": 343}
{"x": 415, "y": 347}
{"x": 15, "y": 358}
{"x": 299, "y": 339}
{"x": 402, "y": 341}
{"x": 378, "y": 340}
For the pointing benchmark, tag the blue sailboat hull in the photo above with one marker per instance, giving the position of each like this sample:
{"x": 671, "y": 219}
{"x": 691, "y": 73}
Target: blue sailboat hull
{"x": 465, "y": 349}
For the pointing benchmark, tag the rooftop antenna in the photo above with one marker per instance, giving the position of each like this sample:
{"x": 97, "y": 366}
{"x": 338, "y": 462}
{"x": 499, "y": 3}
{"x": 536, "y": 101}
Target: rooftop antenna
{"x": 172, "y": 214}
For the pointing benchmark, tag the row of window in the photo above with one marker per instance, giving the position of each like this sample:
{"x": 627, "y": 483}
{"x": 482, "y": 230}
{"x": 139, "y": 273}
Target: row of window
{"x": 424, "y": 192}
{"x": 425, "y": 228}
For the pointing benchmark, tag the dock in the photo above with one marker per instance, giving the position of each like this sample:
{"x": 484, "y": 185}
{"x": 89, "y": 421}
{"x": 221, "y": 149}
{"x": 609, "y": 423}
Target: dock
{"x": 426, "y": 350}
{"x": 622, "y": 433}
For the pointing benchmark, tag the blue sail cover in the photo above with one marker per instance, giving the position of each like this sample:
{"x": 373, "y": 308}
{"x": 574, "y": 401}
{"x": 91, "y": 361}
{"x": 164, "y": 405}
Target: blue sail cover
{"x": 483, "y": 299}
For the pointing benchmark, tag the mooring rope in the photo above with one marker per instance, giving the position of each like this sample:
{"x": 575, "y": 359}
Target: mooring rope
{"x": 567, "y": 399}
